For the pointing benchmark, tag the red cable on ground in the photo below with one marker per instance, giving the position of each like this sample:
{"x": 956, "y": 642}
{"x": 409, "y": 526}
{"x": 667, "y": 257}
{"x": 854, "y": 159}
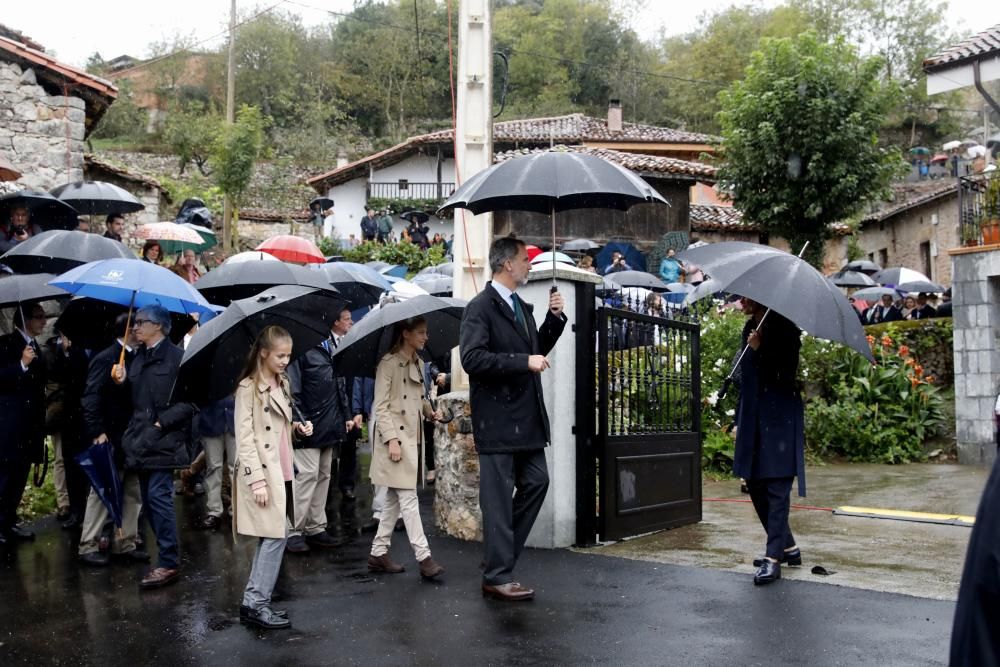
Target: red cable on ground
{"x": 454, "y": 149}
{"x": 746, "y": 500}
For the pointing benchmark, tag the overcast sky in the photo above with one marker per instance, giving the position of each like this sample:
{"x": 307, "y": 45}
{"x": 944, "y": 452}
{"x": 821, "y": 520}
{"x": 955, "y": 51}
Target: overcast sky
{"x": 73, "y": 29}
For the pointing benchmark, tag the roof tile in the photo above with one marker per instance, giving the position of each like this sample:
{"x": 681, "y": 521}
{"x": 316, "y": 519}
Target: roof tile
{"x": 982, "y": 44}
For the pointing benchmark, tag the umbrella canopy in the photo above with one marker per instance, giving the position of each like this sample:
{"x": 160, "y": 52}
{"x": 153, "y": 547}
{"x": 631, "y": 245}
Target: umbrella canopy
{"x": 46, "y": 211}
{"x": 292, "y": 249}
{"x": 685, "y": 288}
{"x": 386, "y": 269}
{"x": 532, "y": 250}
{"x": 786, "y": 284}
{"x": 875, "y": 293}
{"x": 404, "y": 289}
{"x": 98, "y": 462}
{"x": 369, "y": 340}
{"x": 193, "y": 210}
{"x": 231, "y": 282}
{"x": 921, "y": 286}
{"x": 207, "y": 236}
{"x": 634, "y": 279}
{"x": 939, "y": 157}
{"x": 359, "y": 284}
{"x": 250, "y": 256}
{"x": 321, "y": 203}
{"x": 851, "y": 279}
{"x": 415, "y": 216}
{"x": 579, "y": 245}
{"x": 632, "y": 256}
{"x": 28, "y": 288}
{"x": 90, "y": 323}
{"x": 898, "y": 275}
{"x": 920, "y": 150}
{"x": 548, "y": 257}
{"x": 7, "y": 171}
{"x": 169, "y": 231}
{"x": 437, "y": 285}
{"x": 59, "y": 250}
{"x": 446, "y": 269}
{"x": 862, "y": 266}
{"x": 217, "y": 353}
{"x": 98, "y": 198}
{"x": 131, "y": 283}
{"x": 951, "y": 145}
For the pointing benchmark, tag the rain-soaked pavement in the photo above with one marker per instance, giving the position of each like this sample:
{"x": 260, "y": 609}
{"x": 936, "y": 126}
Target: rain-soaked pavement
{"x": 589, "y": 608}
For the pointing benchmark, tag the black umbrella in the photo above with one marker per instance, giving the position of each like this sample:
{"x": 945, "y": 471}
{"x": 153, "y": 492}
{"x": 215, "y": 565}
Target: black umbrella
{"x": 98, "y": 198}
{"x": 446, "y": 269}
{"x": 360, "y": 285}
{"x": 28, "y": 288}
{"x": 620, "y": 279}
{"x": 321, "y": 204}
{"x": 217, "y": 353}
{"x": 437, "y": 285}
{"x": 59, "y": 250}
{"x": 243, "y": 280}
{"x": 851, "y": 279}
{"x": 194, "y": 211}
{"x": 863, "y": 266}
{"x": 98, "y": 462}
{"x": 920, "y": 286}
{"x": 369, "y": 340}
{"x": 552, "y": 181}
{"x": 786, "y": 284}
{"x": 46, "y": 211}
{"x": 579, "y": 245}
{"x": 415, "y": 216}
{"x": 90, "y": 323}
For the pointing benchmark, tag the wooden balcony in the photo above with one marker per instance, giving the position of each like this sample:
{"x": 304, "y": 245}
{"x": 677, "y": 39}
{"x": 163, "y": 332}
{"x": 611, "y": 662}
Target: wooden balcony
{"x": 403, "y": 189}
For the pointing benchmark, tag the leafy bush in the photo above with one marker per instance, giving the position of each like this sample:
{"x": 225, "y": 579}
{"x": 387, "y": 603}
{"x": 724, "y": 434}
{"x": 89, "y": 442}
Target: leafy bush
{"x": 397, "y": 205}
{"x": 409, "y": 255}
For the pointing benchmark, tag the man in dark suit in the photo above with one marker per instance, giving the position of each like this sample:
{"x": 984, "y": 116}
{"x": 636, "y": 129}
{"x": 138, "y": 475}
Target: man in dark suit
{"x": 503, "y": 351}
{"x": 885, "y": 311}
{"x": 770, "y": 438}
{"x": 22, "y": 414}
{"x": 115, "y": 225}
{"x": 924, "y": 310}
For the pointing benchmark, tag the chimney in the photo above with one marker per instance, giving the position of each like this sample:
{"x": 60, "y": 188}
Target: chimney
{"x": 614, "y": 115}
{"x": 341, "y": 158}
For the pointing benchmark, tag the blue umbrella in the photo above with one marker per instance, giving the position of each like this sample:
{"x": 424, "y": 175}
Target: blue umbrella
{"x": 129, "y": 282}
{"x": 98, "y": 461}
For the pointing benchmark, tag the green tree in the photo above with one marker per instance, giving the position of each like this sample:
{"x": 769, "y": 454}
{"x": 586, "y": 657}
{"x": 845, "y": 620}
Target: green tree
{"x": 191, "y": 131}
{"x": 801, "y": 138}
{"x": 123, "y": 119}
{"x": 235, "y": 150}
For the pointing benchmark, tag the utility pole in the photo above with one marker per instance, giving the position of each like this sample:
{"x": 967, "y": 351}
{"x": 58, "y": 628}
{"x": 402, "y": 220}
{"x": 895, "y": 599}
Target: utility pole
{"x": 473, "y": 150}
{"x": 228, "y": 238}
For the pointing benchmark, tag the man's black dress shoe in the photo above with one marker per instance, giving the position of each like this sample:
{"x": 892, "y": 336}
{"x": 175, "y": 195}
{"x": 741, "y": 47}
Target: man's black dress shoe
{"x": 133, "y": 556}
{"x": 265, "y": 618}
{"x": 768, "y": 572}
{"x": 245, "y": 611}
{"x": 95, "y": 559}
{"x": 20, "y": 533}
{"x": 793, "y": 557}
{"x": 209, "y": 522}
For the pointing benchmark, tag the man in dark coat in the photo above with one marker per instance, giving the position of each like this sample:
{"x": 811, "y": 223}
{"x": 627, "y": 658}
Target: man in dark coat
{"x": 975, "y": 637}
{"x": 107, "y": 408}
{"x": 503, "y": 351}
{"x": 924, "y": 310}
{"x": 321, "y": 397}
{"x": 770, "y": 439}
{"x": 22, "y": 414}
{"x": 885, "y": 311}
{"x": 369, "y": 226}
{"x": 115, "y": 225}
{"x": 156, "y": 440}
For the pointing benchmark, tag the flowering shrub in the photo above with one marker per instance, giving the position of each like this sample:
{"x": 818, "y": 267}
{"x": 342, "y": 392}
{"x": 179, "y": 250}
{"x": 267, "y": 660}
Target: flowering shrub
{"x": 405, "y": 253}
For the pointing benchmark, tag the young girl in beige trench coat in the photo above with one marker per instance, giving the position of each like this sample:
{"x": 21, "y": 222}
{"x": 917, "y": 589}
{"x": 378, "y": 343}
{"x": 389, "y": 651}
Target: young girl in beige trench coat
{"x": 399, "y": 408}
{"x": 262, "y": 472}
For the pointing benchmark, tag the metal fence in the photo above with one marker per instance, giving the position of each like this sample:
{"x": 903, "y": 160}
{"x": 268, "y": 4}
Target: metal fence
{"x": 974, "y": 207}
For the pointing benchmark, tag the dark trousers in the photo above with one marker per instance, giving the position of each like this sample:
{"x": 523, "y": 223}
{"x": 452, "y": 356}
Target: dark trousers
{"x": 347, "y": 465}
{"x": 772, "y": 500}
{"x": 429, "y": 444}
{"x": 13, "y": 478}
{"x": 157, "y": 487}
{"x": 507, "y": 521}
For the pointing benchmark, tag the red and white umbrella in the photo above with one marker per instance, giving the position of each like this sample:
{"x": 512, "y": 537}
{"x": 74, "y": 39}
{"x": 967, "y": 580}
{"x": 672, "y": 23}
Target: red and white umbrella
{"x": 168, "y": 231}
{"x": 290, "y": 248}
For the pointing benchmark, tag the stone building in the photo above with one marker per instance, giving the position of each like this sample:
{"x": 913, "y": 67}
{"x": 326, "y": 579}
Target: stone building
{"x": 256, "y": 225}
{"x": 147, "y": 190}
{"x": 47, "y": 109}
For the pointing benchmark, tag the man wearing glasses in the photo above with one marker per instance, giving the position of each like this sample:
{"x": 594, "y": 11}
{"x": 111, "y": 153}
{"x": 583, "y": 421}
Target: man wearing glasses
{"x": 158, "y": 433}
{"x": 22, "y": 415}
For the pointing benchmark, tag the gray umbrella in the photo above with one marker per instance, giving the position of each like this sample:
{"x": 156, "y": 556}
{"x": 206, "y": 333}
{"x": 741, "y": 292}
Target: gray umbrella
{"x": 863, "y": 265}
{"x": 786, "y": 284}
{"x": 59, "y": 250}
{"x": 437, "y": 285}
{"x": 27, "y": 288}
{"x": 446, "y": 269}
{"x": 579, "y": 245}
{"x": 621, "y": 279}
{"x": 875, "y": 293}
{"x": 851, "y": 279}
{"x": 98, "y": 198}
{"x": 369, "y": 340}
{"x": 231, "y": 282}
{"x": 920, "y": 286}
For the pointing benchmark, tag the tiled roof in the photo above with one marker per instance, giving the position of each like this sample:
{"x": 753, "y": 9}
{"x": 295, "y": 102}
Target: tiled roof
{"x": 713, "y": 217}
{"x": 651, "y": 164}
{"x": 121, "y": 172}
{"x": 571, "y": 129}
{"x": 908, "y": 195}
{"x": 268, "y": 215}
{"x": 983, "y": 44}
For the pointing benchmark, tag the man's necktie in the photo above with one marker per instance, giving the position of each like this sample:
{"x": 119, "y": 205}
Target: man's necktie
{"x": 519, "y": 313}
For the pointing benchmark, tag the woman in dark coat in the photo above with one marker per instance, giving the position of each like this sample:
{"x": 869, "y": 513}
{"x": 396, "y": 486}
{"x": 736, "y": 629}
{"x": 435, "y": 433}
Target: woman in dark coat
{"x": 770, "y": 440}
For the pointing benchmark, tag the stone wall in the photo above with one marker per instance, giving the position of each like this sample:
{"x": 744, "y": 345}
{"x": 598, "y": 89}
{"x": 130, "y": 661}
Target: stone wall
{"x": 456, "y": 471}
{"x": 901, "y": 236}
{"x": 38, "y": 130}
{"x": 975, "y": 295}
{"x": 252, "y": 232}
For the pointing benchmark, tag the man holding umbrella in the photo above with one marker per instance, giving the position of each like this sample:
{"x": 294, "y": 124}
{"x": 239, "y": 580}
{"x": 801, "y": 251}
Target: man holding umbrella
{"x": 503, "y": 352}
{"x": 22, "y": 414}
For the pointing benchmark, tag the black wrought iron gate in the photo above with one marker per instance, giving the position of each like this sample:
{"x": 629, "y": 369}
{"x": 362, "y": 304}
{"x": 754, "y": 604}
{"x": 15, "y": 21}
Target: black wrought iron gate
{"x": 646, "y": 444}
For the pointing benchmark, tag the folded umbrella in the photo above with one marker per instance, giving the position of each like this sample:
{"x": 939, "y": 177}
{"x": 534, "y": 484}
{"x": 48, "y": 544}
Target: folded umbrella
{"x": 46, "y": 211}
{"x": 98, "y": 198}
{"x": 231, "y": 282}
{"x": 98, "y": 462}
{"x": 90, "y": 323}
{"x": 290, "y": 248}
{"x": 59, "y": 250}
{"x": 370, "y": 339}
{"x": 851, "y": 279}
{"x": 359, "y": 284}
{"x": 786, "y": 284}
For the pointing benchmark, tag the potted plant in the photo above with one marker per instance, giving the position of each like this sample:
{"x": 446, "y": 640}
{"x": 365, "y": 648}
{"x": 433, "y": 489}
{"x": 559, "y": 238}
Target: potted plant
{"x": 991, "y": 212}
{"x": 971, "y": 232}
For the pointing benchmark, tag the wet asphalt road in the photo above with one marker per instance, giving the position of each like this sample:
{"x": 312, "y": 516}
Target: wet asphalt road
{"x": 589, "y": 609}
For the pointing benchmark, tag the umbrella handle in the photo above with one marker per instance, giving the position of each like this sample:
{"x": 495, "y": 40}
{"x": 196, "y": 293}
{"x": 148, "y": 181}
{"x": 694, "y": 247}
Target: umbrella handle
{"x": 128, "y": 325}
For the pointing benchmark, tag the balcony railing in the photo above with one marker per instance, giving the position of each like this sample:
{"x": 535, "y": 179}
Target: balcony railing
{"x": 979, "y": 208}
{"x": 409, "y": 190}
